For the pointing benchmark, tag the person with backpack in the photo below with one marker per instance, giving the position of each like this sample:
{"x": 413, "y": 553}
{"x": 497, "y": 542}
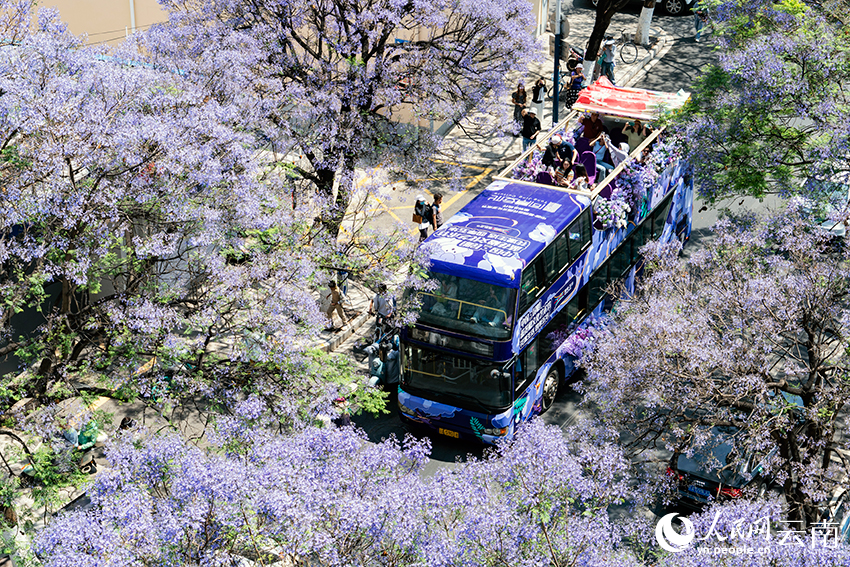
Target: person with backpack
{"x": 423, "y": 214}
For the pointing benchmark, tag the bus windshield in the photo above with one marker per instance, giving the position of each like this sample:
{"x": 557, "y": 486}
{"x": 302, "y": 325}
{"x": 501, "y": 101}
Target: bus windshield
{"x": 475, "y": 385}
{"x": 469, "y": 307}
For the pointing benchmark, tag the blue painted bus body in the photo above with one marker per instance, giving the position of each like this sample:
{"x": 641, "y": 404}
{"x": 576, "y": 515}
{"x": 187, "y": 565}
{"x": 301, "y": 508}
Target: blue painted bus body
{"x": 491, "y": 240}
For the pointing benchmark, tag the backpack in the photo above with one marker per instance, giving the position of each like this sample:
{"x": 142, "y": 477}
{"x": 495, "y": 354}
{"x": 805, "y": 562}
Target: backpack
{"x": 428, "y": 214}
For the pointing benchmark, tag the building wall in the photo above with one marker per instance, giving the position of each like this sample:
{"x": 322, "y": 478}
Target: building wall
{"x": 106, "y": 20}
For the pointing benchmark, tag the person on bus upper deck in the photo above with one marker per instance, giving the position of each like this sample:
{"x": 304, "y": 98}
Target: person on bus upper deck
{"x": 593, "y": 126}
{"x": 579, "y": 179}
{"x": 563, "y": 174}
{"x": 635, "y": 133}
{"x": 552, "y": 157}
{"x": 600, "y": 148}
{"x": 618, "y": 155}
{"x": 567, "y": 152}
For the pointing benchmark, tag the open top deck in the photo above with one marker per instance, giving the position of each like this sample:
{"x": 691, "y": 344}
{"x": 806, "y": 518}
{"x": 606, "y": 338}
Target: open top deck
{"x": 617, "y": 106}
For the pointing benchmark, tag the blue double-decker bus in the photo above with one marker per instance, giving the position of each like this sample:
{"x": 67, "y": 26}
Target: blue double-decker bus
{"x": 517, "y": 270}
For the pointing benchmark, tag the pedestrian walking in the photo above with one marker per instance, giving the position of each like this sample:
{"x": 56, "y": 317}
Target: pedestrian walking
{"x": 537, "y": 96}
{"x": 519, "y": 99}
{"x": 607, "y": 59}
{"x": 382, "y": 307}
{"x": 530, "y": 128}
{"x": 437, "y": 210}
{"x": 334, "y": 298}
{"x": 423, "y": 214}
{"x": 699, "y": 20}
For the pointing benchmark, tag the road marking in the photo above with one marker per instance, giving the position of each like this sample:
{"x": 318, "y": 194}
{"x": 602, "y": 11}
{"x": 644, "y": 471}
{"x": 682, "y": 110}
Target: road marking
{"x": 475, "y": 181}
{"x": 388, "y": 209}
{"x": 478, "y": 167}
{"x": 444, "y": 178}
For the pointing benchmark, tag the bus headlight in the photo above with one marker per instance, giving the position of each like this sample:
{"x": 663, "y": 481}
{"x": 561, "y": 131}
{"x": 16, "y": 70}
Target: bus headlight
{"x": 497, "y": 432}
{"x": 404, "y": 409}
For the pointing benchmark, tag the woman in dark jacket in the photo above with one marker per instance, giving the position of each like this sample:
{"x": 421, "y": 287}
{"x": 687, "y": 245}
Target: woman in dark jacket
{"x": 519, "y": 98}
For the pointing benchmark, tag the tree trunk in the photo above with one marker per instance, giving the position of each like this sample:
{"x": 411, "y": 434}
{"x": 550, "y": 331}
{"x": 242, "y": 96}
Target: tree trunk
{"x": 605, "y": 10}
{"x": 642, "y": 34}
{"x": 331, "y": 219}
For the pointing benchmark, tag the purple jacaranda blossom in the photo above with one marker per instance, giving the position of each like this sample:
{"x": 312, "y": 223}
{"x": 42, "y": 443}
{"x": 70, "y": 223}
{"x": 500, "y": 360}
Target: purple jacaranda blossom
{"x": 363, "y": 85}
{"x": 714, "y": 341}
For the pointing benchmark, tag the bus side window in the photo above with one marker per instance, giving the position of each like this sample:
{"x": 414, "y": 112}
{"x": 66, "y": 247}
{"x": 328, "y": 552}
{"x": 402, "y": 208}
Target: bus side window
{"x": 659, "y": 217}
{"x": 527, "y": 368}
{"x": 556, "y": 257}
{"x": 532, "y": 284}
{"x": 578, "y": 234}
{"x": 597, "y": 284}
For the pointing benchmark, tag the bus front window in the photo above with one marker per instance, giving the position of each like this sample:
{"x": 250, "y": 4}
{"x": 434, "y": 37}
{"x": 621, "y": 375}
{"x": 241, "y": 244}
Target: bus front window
{"x": 469, "y": 307}
{"x": 471, "y": 384}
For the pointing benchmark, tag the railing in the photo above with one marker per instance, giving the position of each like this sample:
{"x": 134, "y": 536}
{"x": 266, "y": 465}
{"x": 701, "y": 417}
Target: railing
{"x": 461, "y": 303}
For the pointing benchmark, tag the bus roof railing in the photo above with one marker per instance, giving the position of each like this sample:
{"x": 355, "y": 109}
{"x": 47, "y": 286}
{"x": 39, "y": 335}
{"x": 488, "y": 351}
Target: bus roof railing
{"x": 563, "y": 126}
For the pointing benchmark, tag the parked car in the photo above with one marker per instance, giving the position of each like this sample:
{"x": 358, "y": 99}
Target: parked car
{"x": 829, "y": 212}
{"x": 671, "y": 7}
{"x": 716, "y": 472}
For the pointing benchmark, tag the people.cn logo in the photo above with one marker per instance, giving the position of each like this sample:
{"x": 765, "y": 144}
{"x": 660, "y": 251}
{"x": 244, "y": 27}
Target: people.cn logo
{"x": 671, "y": 540}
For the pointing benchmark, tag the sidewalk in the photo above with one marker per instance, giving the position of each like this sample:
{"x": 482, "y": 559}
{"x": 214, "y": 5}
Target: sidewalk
{"x": 356, "y": 307}
{"x": 502, "y": 150}
{"x": 498, "y": 151}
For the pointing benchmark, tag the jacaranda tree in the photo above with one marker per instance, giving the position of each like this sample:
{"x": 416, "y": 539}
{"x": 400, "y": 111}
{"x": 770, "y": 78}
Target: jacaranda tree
{"x": 141, "y": 233}
{"x": 330, "y": 497}
{"x": 750, "y": 333}
{"x": 771, "y": 115}
{"x": 336, "y": 85}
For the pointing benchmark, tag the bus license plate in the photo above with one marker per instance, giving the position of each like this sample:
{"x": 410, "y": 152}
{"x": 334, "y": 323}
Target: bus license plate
{"x": 449, "y": 433}
{"x": 699, "y": 491}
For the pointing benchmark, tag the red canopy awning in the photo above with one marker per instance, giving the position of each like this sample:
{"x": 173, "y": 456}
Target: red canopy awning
{"x": 605, "y": 98}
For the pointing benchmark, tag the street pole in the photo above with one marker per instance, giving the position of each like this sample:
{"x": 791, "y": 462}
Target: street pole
{"x": 557, "y": 74}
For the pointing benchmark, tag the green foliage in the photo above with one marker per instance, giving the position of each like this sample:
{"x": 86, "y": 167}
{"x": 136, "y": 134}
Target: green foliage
{"x": 339, "y": 371}
{"x": 770, "y": 114}
{"x": 9, "y": 488}
{"x": 50, "y": 479}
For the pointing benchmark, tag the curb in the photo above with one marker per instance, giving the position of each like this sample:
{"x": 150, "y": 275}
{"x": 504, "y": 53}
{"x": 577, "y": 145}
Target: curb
{"x": 353, "y": 325}
{"x": 661, "y": 47}
{"x": 342, "y": 336}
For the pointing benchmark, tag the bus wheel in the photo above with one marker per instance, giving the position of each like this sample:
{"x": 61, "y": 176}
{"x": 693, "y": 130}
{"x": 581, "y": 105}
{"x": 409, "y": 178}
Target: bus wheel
{"x": 550, "y": 388}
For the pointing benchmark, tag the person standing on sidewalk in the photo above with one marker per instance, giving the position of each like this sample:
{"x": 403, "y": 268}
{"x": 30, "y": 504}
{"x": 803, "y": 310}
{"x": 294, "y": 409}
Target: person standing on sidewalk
{"x": 530, "y": 128}
{"x": 519, "y": 99}
{"x": 607, "y": 59}
{"x": 699, "y": 20}
{"x": 334, "y": 297}
{"x": 537, "y": 96}
{"x": 424, "y": 215}
{"x": 576, "y": 84}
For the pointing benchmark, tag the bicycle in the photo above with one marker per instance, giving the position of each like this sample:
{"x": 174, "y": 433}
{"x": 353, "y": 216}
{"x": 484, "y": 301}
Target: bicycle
{"x": 628, "y": 47}
{"x": 563, "y": 82}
